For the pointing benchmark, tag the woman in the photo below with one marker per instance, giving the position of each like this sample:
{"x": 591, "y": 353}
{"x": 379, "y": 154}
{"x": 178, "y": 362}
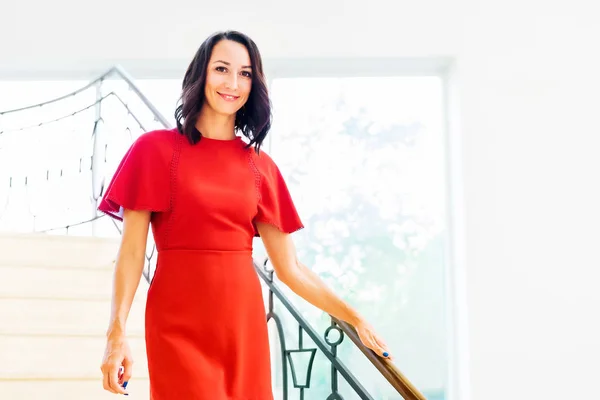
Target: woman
{"x": 206, "y": 194}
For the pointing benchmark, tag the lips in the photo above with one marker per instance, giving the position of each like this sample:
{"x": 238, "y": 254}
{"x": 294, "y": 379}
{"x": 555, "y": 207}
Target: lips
{"x": 228, "y": 97}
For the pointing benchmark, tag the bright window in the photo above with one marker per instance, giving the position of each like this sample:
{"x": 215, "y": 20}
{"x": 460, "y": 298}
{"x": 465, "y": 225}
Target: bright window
{"x": 364, "y": 160}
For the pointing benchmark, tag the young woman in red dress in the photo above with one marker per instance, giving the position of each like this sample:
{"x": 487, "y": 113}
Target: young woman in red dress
{"x": 206, "y": 194}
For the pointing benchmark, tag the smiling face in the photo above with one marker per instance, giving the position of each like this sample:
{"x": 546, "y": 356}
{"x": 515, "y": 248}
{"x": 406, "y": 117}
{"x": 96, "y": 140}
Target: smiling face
{"x": 228, "y": 78}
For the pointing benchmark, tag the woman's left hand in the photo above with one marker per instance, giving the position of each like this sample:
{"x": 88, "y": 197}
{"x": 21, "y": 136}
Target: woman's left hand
{"x": 370, "y": 339}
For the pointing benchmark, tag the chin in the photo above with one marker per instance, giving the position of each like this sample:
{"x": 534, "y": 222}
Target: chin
{"x": 228, "y": 110}
{"x": 224, "y": 110}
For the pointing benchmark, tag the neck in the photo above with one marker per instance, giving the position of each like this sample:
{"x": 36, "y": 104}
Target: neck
{"x": 215, "y": 126}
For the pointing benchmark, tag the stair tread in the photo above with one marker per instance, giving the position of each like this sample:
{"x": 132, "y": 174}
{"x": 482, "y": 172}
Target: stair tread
{"x": 88, "y": 389}
{"x": 55, "y": 297}
{"x": 65, "y": 317}
{"x": 61, "y": 357}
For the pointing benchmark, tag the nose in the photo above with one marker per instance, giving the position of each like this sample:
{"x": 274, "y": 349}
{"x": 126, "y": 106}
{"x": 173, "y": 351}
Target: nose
{"x": 232, "y": 82}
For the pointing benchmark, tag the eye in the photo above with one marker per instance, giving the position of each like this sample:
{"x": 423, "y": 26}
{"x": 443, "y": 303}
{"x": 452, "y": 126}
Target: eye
{"x": 221, "y": 68}
{"x": 247, "y": 74}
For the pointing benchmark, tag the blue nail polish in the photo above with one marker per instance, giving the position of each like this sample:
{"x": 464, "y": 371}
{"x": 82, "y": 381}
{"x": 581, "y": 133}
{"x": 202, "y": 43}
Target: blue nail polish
{"x": 385, "y": 354}
{"x": 125, "y": 385}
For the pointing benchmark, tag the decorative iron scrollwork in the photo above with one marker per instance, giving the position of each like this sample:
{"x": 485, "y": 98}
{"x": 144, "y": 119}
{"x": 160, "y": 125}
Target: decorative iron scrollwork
{"x": 327, "y": 344}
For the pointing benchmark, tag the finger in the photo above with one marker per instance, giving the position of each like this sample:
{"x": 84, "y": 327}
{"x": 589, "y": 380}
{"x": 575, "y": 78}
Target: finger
{"x": 127, "y": 370}
{"x": 370, "y": 343}
{"x": 383, "y": 346}
{"x": 105, "y": 383}
{"x": 123, "y": 379}
{"x": 113, "y": 380}
{"x": 367, "y": 339}
{"x": 379, "y": 350}
{"x": 381, "y": 342}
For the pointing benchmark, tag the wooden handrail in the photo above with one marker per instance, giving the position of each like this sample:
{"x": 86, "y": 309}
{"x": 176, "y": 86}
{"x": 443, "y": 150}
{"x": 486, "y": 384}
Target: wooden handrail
{"x": 391, "y": 373}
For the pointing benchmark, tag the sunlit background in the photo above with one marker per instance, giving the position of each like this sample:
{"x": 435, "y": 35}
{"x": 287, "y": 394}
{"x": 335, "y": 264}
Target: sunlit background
{"x": 442, "y": 156}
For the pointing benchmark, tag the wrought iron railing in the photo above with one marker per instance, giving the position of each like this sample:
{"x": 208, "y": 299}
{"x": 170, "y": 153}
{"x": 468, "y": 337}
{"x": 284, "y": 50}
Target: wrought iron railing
{"x": 291, "y": 360}
{"x": 100, "y": 149}
{"x": 328, "y": 346}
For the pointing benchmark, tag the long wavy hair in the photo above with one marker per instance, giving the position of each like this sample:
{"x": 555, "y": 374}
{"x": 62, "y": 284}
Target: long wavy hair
{"x": 253, "y": 120}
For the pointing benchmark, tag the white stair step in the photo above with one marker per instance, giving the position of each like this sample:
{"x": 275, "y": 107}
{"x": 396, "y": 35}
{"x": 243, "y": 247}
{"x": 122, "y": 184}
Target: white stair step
{"x": 60, "y": 283}
{"x": 58, "y": 251}
{"x": 61, "y": 357}
{"x": 55, "y": 294}
{"x": 69, "y": 390}
{"x": 35, "y": 316}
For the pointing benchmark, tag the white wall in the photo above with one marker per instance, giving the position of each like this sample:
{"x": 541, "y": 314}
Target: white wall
{"x": 526, "y": 82}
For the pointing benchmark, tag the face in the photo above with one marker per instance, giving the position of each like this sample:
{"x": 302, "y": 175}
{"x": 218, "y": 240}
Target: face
{"x": 228, "y": 78}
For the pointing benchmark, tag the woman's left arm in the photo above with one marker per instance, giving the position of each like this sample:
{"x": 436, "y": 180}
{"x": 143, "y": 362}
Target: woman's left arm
{"x": 305, "y": 283}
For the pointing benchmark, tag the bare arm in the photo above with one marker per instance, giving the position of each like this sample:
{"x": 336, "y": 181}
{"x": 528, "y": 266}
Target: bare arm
{"x": 304, "y": 282}
{"x": 128, "y": 272}
{"x": 128, "y": 268}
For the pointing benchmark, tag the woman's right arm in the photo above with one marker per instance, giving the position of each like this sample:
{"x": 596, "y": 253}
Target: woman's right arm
{"x": 127, "y": 275}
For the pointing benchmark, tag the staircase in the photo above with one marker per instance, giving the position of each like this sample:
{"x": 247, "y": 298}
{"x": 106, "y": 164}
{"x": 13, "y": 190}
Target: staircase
{"x": 55, "y": 290}
{"x": 54, "y": 307}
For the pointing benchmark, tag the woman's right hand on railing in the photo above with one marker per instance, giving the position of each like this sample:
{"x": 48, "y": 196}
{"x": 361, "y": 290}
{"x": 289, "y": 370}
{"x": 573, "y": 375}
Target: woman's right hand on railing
{"x": 117, "y": 364}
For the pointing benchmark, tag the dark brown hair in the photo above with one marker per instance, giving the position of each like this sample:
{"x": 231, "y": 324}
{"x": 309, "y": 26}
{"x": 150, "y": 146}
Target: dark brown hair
{"x": 253, "y": 120}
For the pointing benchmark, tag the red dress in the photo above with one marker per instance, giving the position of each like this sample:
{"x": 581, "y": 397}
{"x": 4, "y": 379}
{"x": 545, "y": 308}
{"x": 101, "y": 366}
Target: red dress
{"x": 205, "y": 327}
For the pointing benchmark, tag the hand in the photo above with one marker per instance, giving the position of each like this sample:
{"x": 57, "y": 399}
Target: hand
{"x": 116, "y": 365}
{"x": 370, "y": 339}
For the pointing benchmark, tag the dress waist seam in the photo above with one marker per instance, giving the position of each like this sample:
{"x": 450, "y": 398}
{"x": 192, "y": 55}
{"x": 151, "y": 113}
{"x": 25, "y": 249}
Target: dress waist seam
{"x": 208, "y": 251}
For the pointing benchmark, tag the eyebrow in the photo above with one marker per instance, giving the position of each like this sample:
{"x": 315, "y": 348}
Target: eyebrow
{"x": 226, "y": 63}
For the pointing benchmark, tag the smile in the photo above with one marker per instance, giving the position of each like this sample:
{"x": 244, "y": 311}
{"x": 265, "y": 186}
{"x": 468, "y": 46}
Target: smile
{"x": 228, "y": 97}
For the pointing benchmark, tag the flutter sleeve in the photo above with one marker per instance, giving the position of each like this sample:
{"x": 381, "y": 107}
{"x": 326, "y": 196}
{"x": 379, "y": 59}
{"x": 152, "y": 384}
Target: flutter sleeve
{"x": 275, "y": 204}
{"x": 142, "y": 178}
